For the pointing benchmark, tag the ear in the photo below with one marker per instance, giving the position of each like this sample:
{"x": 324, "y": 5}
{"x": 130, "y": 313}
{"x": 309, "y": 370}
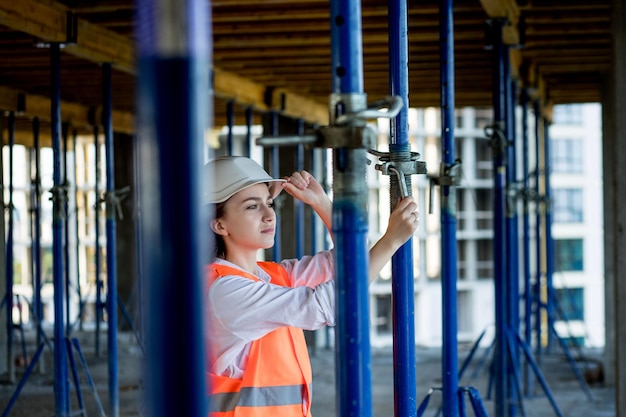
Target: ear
{"x": 218, "y": 227}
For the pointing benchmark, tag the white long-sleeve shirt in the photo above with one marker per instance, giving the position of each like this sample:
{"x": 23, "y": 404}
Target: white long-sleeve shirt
{"x": 240, "y": 310}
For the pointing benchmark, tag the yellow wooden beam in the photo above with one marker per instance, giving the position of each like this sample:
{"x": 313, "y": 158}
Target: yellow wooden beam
{"x": 509, "y": 10}
{"x": 47, "y": 21}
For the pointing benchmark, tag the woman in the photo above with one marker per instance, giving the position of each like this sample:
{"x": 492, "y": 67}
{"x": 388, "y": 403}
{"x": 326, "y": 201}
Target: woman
{"x": 258, "y": 364}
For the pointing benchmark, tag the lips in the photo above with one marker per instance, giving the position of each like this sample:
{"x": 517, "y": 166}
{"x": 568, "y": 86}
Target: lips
{"x": 268, "y": 231}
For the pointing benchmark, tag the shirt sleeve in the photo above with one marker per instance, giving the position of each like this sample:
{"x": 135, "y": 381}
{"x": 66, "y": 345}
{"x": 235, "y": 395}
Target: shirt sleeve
{"x": 311, "y": 271}
{"x": 250, "y": 309}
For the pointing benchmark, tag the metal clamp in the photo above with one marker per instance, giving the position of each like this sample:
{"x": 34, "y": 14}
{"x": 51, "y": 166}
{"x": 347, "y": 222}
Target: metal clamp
{"x": 349, "y": 113}
{"x": 59, "y": 198}
{"x": 498, "y": 140}
{"x": 400, "y": 168}
{"x": 352, "y": 112}
{"x": 113, "y": 200}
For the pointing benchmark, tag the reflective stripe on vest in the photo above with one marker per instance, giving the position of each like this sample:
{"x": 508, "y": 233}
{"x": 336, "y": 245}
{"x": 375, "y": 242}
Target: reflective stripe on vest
{"x": 257, "y": 397}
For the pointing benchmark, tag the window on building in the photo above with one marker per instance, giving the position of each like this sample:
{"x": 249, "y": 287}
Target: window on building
{"x": 484, "y": 261}
{"x": 570, "y": 303}
{"x": 566, "y": 156}
{"x": 567, "y": 205}
{"x": 571, "y": 114}
{"x": 569, "y": 254}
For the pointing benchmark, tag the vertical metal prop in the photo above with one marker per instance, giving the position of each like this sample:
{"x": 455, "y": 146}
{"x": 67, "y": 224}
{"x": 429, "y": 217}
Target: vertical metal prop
{"x": 538, "y": 235}
{"x": 77, "y": 235}
{"x": 107, "y": 124}
{"x": 450, "y": 360}
{"x": 9, "y": 254}
{"x": 174, "y": 56}
{"x": 61, "y": 382}
{"x": 37, "y": 304}
{"x": 549, "y": 240}
{"x": 349, "y": 223}
{"x": 405, "y": 378}
{"x": 298, "y": 203}
{"x": 98, "y": 252}
{"x": 66, "y": 231}
{"x": 512, "y": 236}
{"x": 230, "y": 118}
{"x": 499, "y": 198}
{"x": 528, "y": 290}
{"x": 275, "y": 172}
{"x": 247, "y": 148}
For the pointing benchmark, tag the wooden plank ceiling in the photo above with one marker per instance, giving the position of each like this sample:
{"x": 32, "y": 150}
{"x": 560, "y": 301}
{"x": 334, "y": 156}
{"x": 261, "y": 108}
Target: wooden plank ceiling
{"x": 276, "y": 54}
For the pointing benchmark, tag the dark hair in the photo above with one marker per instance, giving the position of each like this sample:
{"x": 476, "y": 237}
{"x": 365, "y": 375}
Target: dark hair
{"x": 219, "y": 250}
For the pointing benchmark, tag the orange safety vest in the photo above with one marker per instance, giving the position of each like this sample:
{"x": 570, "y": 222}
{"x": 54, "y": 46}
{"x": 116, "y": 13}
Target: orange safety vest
{"x": 277, "y": 378}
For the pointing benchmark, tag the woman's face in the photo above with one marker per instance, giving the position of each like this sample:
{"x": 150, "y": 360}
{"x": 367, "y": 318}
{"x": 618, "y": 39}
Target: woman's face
{"x": 249, "y": 220}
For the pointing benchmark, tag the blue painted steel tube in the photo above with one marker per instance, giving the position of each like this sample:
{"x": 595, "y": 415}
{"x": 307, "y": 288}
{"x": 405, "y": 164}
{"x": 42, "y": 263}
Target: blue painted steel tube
{"x": 230, "y": 119}
{"x": 107, "y": 124}
{"x": 248, "y": 146}
{"x": 528, "y": 300}
{"x": 450, "y": 360}
{"x": 538, "y": 235}
{"x": 173, "y": 107}
{"x": 37, "y": 305}
{"x": 98, "y": 252}
{"x": 66, "y": 232}
{"x": 77, "y": 236}
{"x": 349, "y": 223}
{"x": 512, "y": 235}
{"x": 275, "y": 172}
{"x": 499, "y": 229}
{"x": 549, "y": 240}
{"x": 61, "y": 382}
{"x": 405, "y": 378}
{"x": 298, "y": 203}
{"x": 9, "y": 253}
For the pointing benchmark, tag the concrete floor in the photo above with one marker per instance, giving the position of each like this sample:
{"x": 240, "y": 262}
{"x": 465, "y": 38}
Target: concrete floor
{"x": 37, "y": 396}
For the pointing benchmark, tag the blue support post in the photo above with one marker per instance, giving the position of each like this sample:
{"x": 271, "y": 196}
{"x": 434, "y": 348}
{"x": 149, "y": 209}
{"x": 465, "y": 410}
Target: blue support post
{"x": 528, "y": 290}
{"x": 450, "y": 360}
{"x": 538, "y": 235}
{"x": 174, "y": 61}
{"x": 549, "y": 240}
{"x": 66, "y": 232}
{"x": 9, "y": 255}
{"x": 230, "y": 119}
{"x": 512, "y": 235}
{"x": 499, "y": 225}
{"x": 77, "y": 235}
{"x": 275, "y": 172}
{"x": 61, "y": 382}
{"x": 98, "y": 252}
{"x": 37, "y": 304}
{"x": 405, "y": 379}
{"x": 111, "y": 302}
{"x": 248, "y": 146}
{"x": 349, "y": 220}
{"x": 298, "y": 203}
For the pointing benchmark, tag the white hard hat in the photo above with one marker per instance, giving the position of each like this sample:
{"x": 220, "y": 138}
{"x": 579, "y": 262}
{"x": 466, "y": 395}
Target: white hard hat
{"x": 230, "y": 174}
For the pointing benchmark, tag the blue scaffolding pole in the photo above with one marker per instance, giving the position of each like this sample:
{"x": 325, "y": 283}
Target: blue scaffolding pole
{"x": 538, "y": 236}
{"x": 512, "y": 237}
{"x": 349, "y": 219}
{"x": 403, "y": 293}
{"x": 111, "y": 302}
{"x": 450, "y": 360}
{"x": 528, "y": 291}
{"x": 98, "y": 252}
{"x": 61, "y": 381}
{"x": 8, "y": 298}
{"x": 499, "y": 52}
{"x": 174, "y": 105}
{"x": 36, "y": 244}
{"x": 275, "y": 172}
{"x": 549, "y": 240}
